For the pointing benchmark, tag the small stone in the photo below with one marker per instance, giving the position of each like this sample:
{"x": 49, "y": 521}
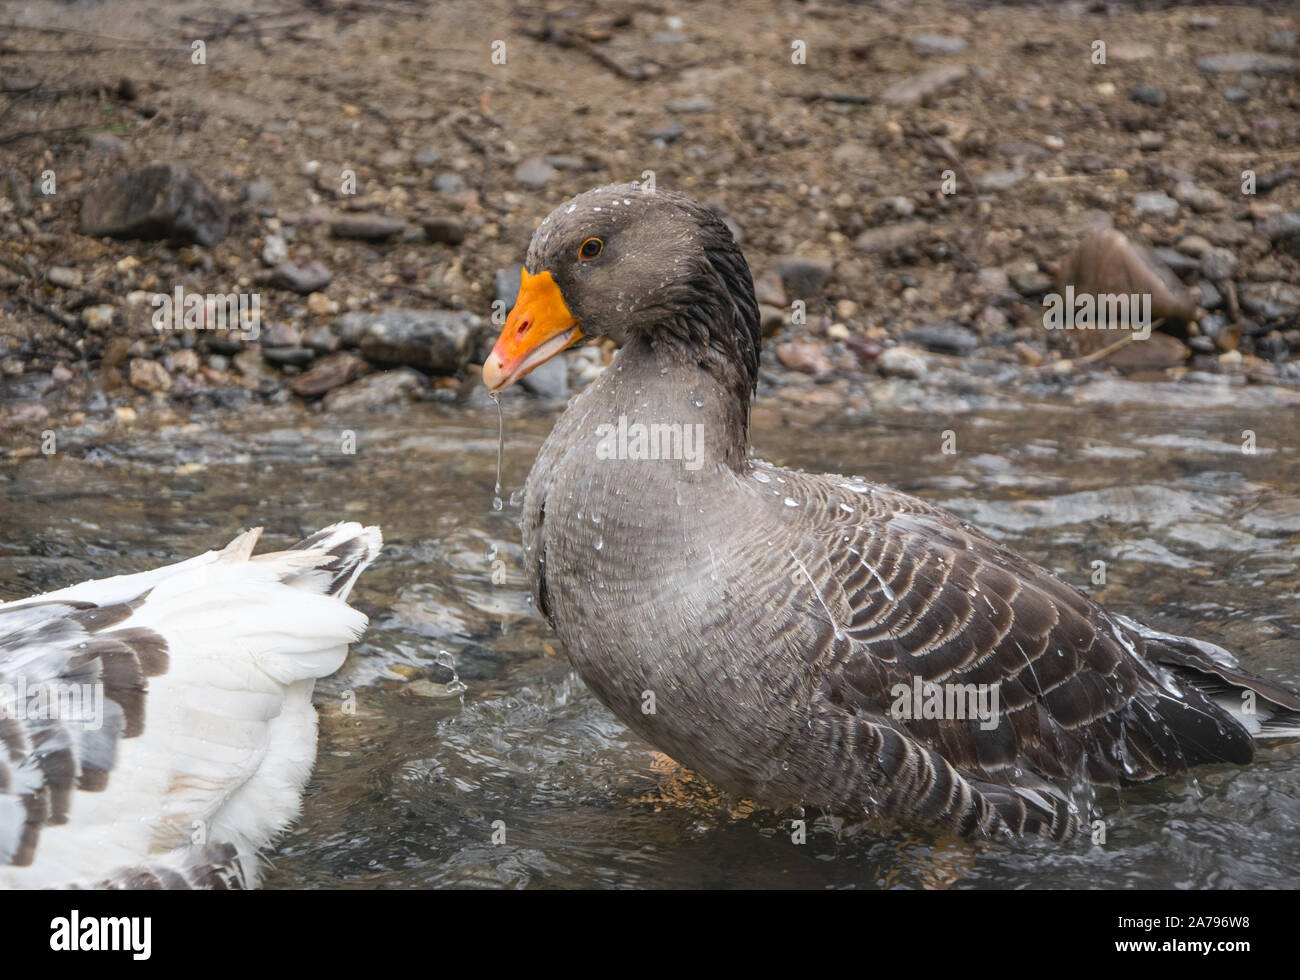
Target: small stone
{"x": 321, "y": 305}
{"x": 437, "y": 341}
{"x": 803, "y": 275}
{"x": 668, "y": 132}
{"x": 98, "y": 317}
{"x": 374, "y": 392}
{"x": 301, "y": 276}
{"x": 1149, "y": 140}
{"x": 944, "y": 337}
{"x": 999, "y": 180}
{"x": 902, "y": 362}
{"x": 1130, "y": 51}
{"x": 160, "y": 201}
{"x": 124, "y": 414}
{"x": 448, "y": 231}
{"x": 1147, "y": 94}
{"x": 1194, "y": 245}
{"x": 535, "y": 172}
{"x": 692, "y": 104}
{"x": 1270, "y": 300}
{"x": 367, "y": 226}
{"x": 1202, "y": 200}
{"x": 1211, "y": 298}
{"x": 427, "y": 157}
{"x": 1218, "y": 264}
{"x": 1236, "y": 94}
{"x": 149, "y": 375}
{"x": 1176, "y": 260}
{"x": 889, "y": 237}
{"x": 805, "y": 357}
{"x": 259, "y": 191}
{"x": 184, "y": 361}
{"x": 64, "y": 277}
{"x": 106, "y": 145}
{"x": 1031, "y": 281}
{"x": 845, "y": 308}
{"x": 448, "y": 184}
{"x": 326, "y": 375}
{"x": 281, "y": 334}
{"x": 275, "y": 251}
{"x": 321, "y": 339}
{"x": 938, "y": 44}
{"x": 1155, "y": 202}
{"x": 1248, "y": 61}
{"x": 769, "y": 289}
{"x": 294, "y": 356}
{"x": 922, "y": 87}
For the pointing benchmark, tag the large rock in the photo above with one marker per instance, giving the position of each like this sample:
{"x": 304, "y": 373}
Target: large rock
{"x": 437, "y": 341}
{"x": 166, "y": 200}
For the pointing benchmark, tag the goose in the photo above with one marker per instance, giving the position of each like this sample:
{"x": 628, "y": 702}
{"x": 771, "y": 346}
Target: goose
{"x": 786, "y": 634}
{"x": 156, "y": 729}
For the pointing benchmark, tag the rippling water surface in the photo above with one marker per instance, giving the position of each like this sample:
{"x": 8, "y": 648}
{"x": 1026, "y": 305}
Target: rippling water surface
{"x": 466, "y": 713}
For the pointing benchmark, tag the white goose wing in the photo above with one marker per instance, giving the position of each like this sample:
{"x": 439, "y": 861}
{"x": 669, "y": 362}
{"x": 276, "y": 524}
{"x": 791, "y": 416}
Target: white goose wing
{"x": 157, "y": 729}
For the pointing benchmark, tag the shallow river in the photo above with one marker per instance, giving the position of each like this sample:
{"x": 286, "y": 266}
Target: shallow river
{"x": 466, "y": 713}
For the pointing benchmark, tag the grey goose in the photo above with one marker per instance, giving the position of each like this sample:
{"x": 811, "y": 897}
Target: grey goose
{"x": 756, "y": 622}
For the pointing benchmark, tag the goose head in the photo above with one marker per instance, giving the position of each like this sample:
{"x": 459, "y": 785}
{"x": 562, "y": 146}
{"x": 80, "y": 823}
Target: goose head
{"x": 654, "y": 270}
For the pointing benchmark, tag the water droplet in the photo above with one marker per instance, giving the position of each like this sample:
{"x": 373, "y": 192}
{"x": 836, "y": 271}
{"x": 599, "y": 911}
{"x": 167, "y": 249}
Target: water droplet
{"x": 791, "y": 502}
{"x": 762, "y": 478}
{"x": 600, "y": 543}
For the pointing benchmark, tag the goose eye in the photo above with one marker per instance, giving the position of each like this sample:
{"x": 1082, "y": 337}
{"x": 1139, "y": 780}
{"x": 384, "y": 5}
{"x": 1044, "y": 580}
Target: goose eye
{"x": 590, "y": 249}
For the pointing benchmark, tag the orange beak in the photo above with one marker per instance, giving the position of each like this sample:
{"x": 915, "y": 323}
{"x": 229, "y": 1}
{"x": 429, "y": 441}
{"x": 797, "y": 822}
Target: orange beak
{"x": 538, "y": 328}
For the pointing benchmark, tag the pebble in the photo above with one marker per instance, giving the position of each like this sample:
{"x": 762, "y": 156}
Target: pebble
{"x": 803, "y": 275}
{"x": 259, "y": 191}
{"x": 368, "y": 226}
{"x": 1176, "y": 260}
{"x": 805, "y": 357}
{"x": 329, "y": 373}
{"x": 1147, "y": 94}
{"x": 902, "y": 362}
{"x": 149, "y": 375}
{"x": 1194, "y": 245}
{"x": 64, "y": 277}
{"x": 1149, "y": 140}
{"x": 98, "y": 317}
{"x": 1218, "y": 264}
{"x": 944, "y": 337}
{"x": 1211, "y": 298}
{"x": 374, "y": 392}
{"x": 294, "y": 356}
{"x": 535, "y": 172}
{"x": 1155, "y": 202}
{"x": 275, "y": 251}
{"x": 448, "y": 183}
{"x": 889, "y": 237}
{"x": 691, "y": 104}
{"x": 160, "y": 201}
{"x": 427, "y": 157}
{"x": 668, "y": 132}
{"x": 1202, "y": 200}
{"x": 301, "y": 276}
{"x": 1031, "y": 281}
{"x": 1248, "y": 61}
{"x": 926, "y": 85}
{"x": 448, "y": 231}
{"x": 437, "y": 341}
{"x": 936, "y": 44}
{"x": 1270, "y": 300}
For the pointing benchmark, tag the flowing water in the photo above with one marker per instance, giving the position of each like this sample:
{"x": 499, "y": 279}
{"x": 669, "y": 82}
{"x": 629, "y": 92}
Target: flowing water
{"x": 457, "y": 748}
